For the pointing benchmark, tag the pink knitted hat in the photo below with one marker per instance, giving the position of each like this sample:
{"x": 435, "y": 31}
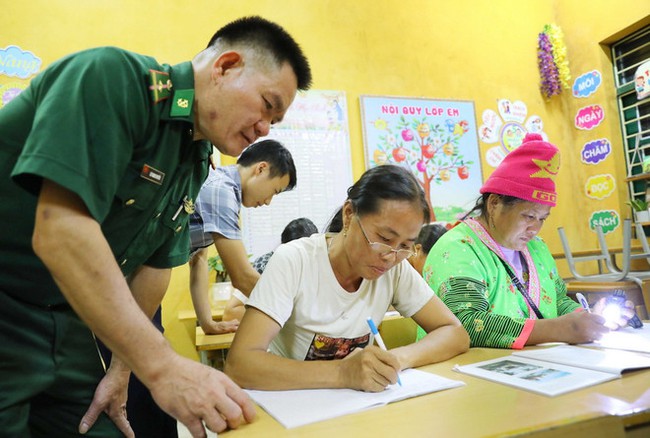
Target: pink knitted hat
{"x": 527, "y": 172}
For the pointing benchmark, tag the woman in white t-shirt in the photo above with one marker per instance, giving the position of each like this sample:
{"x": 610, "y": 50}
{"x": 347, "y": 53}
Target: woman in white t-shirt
{"x": 305, "y": 326}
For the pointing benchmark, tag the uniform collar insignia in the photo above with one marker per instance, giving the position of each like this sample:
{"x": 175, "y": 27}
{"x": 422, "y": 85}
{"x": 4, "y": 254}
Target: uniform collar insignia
{"x": 160, "y": 85}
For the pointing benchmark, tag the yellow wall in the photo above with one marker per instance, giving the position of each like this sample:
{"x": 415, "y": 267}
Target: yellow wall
{"x": 461, "y": 49}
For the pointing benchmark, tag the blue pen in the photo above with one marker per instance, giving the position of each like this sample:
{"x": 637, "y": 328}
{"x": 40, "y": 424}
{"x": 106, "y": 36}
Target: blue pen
{"x": 380, "y": 341}
{"x": 583, "y": 302}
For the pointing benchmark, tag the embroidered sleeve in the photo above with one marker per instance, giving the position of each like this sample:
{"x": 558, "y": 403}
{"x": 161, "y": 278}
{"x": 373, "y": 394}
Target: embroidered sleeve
{"x": 564, "y": 303}
{"x": 466, "y": 298}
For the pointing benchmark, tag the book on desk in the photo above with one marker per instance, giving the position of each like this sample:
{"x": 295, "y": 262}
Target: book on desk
{"x": 557, "y": 370}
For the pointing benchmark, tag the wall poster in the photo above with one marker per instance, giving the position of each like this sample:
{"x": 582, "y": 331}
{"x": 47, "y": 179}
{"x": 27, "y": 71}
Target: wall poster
{"x": 19, "y": 66}
{"x": 507, "y": 129}
{"x": 435, "y": 139}
{"x": 315, "y": 130}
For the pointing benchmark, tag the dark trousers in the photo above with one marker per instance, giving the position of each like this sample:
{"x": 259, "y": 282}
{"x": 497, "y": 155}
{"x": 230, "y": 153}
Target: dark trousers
{"x": 49, "y": 370}
{"x": 144, "y": 415}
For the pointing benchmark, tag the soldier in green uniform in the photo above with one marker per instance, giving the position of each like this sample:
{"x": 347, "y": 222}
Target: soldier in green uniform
{"x": 101, "y": 158}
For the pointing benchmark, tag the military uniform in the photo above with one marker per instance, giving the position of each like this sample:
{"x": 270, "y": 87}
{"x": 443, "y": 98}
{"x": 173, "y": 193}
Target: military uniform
{"x": 115, "y": 128}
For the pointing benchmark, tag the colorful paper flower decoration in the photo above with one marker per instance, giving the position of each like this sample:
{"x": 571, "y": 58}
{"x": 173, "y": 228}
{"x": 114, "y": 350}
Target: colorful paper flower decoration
{"x": 552, "y": 61}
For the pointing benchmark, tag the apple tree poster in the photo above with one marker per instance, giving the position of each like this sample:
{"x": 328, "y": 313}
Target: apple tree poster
{"x": 435, "y": 139}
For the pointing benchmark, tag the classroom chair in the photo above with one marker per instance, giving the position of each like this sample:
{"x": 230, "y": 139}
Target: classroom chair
{"x": 645, "y": 247}
{"x": 634, "y": 275}
{"x": 603, "y": 257}
{"x": 595, "y": 286}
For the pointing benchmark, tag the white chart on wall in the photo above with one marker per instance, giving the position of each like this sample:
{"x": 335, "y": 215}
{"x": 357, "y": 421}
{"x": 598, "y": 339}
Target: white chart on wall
{"x": 315, "y": 130}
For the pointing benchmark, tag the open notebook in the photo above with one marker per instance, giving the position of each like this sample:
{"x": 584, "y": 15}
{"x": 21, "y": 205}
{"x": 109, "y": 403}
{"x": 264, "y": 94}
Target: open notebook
{"x": 300, "y": 407}
{"x": 557, "y": 370}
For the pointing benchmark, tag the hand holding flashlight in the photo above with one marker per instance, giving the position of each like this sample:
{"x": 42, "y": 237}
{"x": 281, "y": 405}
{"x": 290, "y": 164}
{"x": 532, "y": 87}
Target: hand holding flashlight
{"x": 618, "y": 311}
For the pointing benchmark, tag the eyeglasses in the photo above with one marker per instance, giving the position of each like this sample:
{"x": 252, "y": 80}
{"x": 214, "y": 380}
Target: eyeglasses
{"x": 382, "y": 249}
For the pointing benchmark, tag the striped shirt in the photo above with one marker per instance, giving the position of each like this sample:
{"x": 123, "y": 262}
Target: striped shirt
{"x": 217, "y": 208}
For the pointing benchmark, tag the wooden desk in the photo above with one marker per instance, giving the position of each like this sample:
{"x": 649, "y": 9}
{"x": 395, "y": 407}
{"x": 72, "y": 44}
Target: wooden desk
{"x": 593, "y": 291}
{"x": 189, "y": 314}
{"x": 188, "y": 323}
{"x": 205, "y": 343}
{"x": 487, "y": 409}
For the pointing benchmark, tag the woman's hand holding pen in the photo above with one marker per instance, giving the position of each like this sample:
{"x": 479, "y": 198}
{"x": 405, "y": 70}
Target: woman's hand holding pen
{"x": 370, "y": 369}
{"x": 573, "y": 328}
{"x": 581, "y": 327}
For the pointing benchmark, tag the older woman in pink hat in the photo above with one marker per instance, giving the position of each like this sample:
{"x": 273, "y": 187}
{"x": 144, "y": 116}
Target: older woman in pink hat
{"x": 497, "y": 275}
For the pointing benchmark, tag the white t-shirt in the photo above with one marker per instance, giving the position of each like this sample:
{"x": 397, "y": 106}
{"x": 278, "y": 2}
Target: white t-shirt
{"x": 320, "y": 319}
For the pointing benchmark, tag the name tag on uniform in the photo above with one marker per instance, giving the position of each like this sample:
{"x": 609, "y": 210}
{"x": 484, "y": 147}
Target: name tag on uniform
{"x": 152, "y": 174}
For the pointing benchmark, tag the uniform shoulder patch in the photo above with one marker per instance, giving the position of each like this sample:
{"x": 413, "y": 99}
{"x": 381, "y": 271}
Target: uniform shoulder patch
{"x": 160, "y": 85}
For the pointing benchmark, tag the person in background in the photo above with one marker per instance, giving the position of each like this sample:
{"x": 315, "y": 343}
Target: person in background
{"x": 497, "y": 275}
{"x": 429, "y": 234}
{"x": 305, "y": 324}
{"x": 297, "y": 228}
{"x": 102, "y": 157}
{"x": 335, "y": 224}
{"x": 263, "y": 170}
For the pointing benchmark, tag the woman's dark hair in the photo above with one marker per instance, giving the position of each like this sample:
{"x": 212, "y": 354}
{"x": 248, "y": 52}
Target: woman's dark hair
{"x": 429, "y": 234}
{"x": 335, "y": 224}
{"x": 297, "y": 228}
{"x": 480, "y": 208}
{"x": 386, "y": 183}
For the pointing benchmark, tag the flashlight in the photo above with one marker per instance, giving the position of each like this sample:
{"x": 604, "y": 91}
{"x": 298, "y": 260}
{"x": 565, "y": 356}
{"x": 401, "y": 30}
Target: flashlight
{"x": 611, "y": 312}
{"x": 614, "y": 306}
